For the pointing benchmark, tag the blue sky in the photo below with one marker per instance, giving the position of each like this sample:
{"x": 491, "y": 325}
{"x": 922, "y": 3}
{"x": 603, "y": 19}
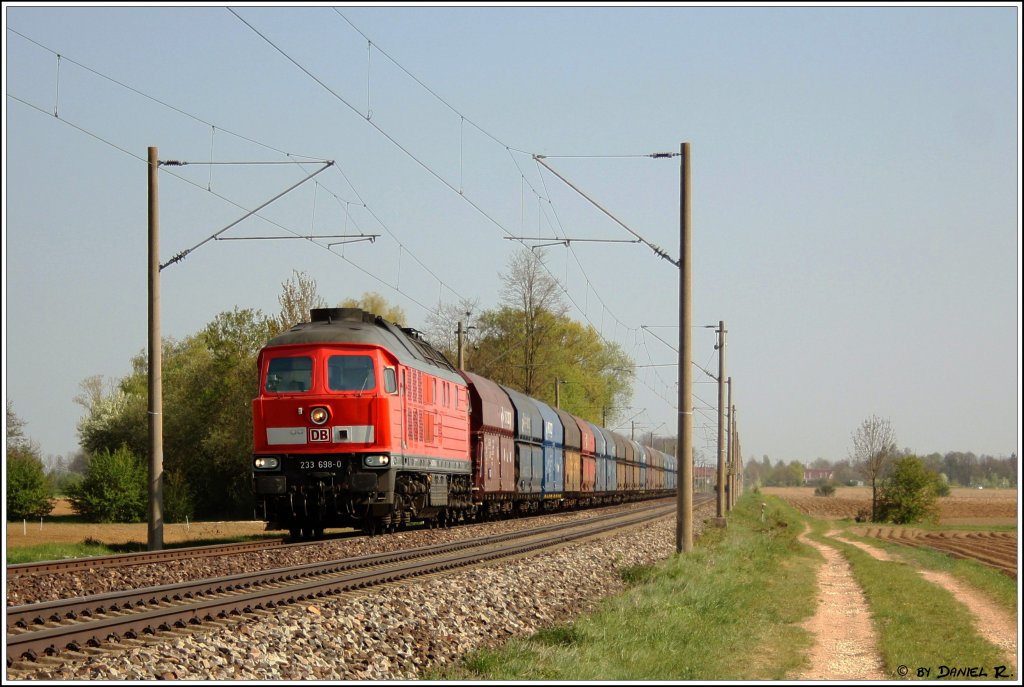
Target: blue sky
{"x": 856, "y": 202}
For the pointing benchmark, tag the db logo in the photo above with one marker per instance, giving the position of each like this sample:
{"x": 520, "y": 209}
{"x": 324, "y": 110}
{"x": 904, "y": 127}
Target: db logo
{"x": 319, "y": 434}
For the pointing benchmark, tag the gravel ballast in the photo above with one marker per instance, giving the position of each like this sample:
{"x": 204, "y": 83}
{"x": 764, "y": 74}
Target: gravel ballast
{"x": 389, "y": 633}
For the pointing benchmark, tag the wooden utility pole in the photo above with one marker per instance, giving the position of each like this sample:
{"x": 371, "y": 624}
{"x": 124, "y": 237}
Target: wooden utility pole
{"x": 684, "y": 425}
{"x": 461, "y": 360}
{"x": 156, "y": 417}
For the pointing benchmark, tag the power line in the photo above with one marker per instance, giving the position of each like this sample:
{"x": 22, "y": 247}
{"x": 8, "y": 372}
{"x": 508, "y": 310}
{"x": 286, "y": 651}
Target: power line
{"x": 149, "y": 97}
{"x": 425, "y": 86}
{"x": 402, "y": 248}
{"x": 405, "y": 150}
{"x": 212, "y": 163}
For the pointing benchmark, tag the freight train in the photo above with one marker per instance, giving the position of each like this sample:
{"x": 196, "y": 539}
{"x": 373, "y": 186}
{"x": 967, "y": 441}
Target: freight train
{"x": 362, "y": 423}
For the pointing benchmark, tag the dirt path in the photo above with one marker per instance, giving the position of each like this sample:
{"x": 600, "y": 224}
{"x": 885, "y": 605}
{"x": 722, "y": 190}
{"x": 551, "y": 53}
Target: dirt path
{"x": 845, "y": 639}
{"x": 990, "y": 621}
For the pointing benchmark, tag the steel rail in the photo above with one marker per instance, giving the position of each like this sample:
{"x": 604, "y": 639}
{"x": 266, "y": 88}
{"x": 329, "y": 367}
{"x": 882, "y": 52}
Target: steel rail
{"x": 51, "y": 640}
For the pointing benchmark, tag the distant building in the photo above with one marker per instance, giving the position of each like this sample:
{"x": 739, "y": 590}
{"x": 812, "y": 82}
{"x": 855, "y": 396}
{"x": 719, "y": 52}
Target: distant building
{"x": 811, "y": 475}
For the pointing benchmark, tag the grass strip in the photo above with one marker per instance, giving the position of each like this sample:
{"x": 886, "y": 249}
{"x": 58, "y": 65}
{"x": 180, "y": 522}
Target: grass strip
{"x": 728, "y": 610}
{"x": 999, "y": 587}
{"x": 921, "y": 626}
{"x": 55, "y": 552}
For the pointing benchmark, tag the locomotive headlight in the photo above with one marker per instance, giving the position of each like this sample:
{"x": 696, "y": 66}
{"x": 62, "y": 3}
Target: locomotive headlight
{"x": 319, "y": 415}
{"x": 376, "y": 461}
{"x": 264, "y": 463}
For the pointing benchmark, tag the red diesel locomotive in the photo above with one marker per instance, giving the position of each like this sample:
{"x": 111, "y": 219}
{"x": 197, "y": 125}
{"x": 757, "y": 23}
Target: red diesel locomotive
{"x": 362, "y": 423}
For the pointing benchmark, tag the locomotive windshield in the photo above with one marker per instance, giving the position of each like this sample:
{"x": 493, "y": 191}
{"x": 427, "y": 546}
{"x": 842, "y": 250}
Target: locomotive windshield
{"x": 350, "y": 373}
{"x": 289, "y": 374}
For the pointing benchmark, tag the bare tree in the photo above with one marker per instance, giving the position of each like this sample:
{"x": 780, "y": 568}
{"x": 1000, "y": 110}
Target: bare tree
{"x": 532, "y": 292}
{"x": 874, "y": 446}
{"x": 442, "y": 325}
{"x": 297, "y": 298}
{"x": 15, "y": 428}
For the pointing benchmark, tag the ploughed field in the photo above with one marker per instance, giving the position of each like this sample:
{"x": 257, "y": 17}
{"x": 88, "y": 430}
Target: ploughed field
{"x": 963, "y": 507}
{"x": 995, "y": 549}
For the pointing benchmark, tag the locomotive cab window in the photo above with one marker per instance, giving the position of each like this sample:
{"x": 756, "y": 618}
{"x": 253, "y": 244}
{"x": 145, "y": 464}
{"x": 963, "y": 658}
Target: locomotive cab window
{"x": 350, "y": 373}
{"x": 286, "y": 375}
{"x": 390, "y": 380}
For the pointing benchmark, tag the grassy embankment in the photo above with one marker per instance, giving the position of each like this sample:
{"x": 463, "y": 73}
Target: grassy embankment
{"x": 732, "y": 608}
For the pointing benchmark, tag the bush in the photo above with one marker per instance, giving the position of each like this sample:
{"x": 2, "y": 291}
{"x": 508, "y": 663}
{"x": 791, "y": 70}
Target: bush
{"x": 910, "y": 493}
{"x": 29, "y": 492}
{"x": 114, "y": 490}
{"x": 177, "y": 495}
{"x": 825, "y": 490}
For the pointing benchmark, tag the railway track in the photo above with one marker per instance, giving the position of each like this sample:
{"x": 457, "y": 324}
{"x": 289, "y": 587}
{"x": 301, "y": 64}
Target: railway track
{"x": 72, "y": 624}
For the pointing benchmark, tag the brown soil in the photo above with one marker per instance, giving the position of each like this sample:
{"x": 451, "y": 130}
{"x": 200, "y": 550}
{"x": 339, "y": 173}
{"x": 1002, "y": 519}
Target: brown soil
{"x": 54, "y": 530}
{"x": 995, "y": 549}
{"x": 961, "y": 507}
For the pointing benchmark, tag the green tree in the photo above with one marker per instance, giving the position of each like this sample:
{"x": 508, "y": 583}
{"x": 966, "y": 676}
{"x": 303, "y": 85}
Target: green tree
{"x": 593, "y": 375}
{"x": 795, "y": 473}
{"x": 114, "y": 490}
{"x": 530, "y": 344}
{"x": 116, "y": 415}
{"x": 178, "y": 501}
{"x": 209, "y": 382}
{"x": 224, "y": 438}
{"x": 909, "y": 494}
{"x": 375, "y": 303}
{"x": 29, "y": 493}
